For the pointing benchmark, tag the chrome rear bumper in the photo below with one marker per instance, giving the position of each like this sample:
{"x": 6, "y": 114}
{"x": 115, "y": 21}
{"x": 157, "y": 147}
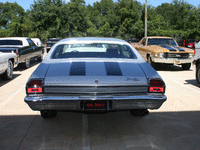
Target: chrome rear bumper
{"x": 63, "y": 103}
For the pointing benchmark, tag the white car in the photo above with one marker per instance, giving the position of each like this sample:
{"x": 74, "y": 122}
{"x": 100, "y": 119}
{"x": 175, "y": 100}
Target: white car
{"x": 37, "y": 41}
{"x": 197, "y": 62}
{"x": 24, "y": 48}
{"x": 7, "y": 63}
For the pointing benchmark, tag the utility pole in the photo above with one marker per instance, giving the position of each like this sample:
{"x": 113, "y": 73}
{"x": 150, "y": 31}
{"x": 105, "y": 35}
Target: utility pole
{"x": 145, "y": 18}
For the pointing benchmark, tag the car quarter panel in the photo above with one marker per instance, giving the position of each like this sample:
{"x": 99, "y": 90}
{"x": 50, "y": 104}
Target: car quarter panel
{"x": 40, "y": 71}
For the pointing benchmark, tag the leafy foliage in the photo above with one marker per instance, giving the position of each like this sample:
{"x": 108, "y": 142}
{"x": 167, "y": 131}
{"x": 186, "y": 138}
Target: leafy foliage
{"x": 123, "y": 19}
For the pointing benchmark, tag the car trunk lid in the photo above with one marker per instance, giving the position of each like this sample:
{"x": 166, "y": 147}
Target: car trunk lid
{"x": 87, "y": 73}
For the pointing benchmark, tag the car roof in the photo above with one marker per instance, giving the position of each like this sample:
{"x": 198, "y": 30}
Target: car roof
{"x": 14, "y": 38}
{"x": 35, "y": 39}
{"x": 54, "y": 39}
{"x": 159, "y": 37}
{"x": 92, "y": 39}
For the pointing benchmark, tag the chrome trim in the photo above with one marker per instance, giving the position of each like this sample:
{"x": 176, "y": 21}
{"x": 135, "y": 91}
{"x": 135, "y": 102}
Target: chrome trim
{"x": 94, "y": 89}
{"x": 146, "y": 101}
{"x": 172, "y": 60}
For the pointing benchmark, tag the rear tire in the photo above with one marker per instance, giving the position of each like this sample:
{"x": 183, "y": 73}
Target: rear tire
{"x": 186, "y": 66}
{"x": 40, "y": 58}
{"x": 139, "y": 112}
{"x": 7, "y": 75}
{"x": 48, "y": 50}
{"x": 27, "y": 63}
{"x": 48, "y": 113}
{"x": 198, "y": 75}
{"x": 149, "y": 60}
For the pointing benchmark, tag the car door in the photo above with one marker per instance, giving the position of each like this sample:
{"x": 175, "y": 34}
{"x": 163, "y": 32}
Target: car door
{"x": 24, "y": 52}
{"x": 33, "y": 47}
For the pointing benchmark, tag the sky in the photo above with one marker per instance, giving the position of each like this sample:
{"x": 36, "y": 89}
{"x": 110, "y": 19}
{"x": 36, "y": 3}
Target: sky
{"x": 27, "y": 3}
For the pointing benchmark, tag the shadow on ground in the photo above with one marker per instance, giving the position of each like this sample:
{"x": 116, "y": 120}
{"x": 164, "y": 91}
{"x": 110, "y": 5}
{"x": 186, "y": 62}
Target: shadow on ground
{"x": 165, "y": 67}
{"x": 3, "y": 82}
{"x": 15, "y": 75}
{"x": 115, "y": 130}
{"x": 192, "y": 82}
{"x": 21, "y": 67}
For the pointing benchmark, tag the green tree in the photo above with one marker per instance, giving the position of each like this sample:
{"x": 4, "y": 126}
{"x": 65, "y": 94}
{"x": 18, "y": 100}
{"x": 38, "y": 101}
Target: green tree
{"x": 11, "y": 19}
{"x": 130, "y": 12}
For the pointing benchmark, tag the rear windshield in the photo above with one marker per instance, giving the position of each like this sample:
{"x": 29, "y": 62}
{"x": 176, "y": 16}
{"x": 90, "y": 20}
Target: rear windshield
{"x": 93, "y": 50}
{"x": 161, "y": 41}
{"x": 54, "y": 40}
{"x": 11, "y": 42}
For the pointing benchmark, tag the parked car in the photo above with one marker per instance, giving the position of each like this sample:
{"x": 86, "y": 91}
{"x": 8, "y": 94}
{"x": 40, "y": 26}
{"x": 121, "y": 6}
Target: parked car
{"x": 51, "y": 42}
{"x": 8, "y": 61}
{"x": 190, "y": 43}
{"x": 25, "y": 49}
{"x": 38, "y": 43}
{"x": 197, "y": 62}
{"x": 133, "y": 41}
{"x": 164, "y": 50}
{"x": 94, "y": 75}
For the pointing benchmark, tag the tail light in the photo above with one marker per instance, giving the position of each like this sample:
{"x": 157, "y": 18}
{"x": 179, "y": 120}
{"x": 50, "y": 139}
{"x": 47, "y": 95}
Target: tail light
{"x": 34, "y": 86}
{"x": 157, "y": 86}
{"x": 17, "y": 54}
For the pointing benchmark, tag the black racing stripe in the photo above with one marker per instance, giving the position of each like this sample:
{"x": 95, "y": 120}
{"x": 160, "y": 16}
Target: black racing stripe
{"x": 180, "y": 49}
{"x": 77, "y": 69}
{"x": 168, "y": 47}
{"x": 113, "y": 69}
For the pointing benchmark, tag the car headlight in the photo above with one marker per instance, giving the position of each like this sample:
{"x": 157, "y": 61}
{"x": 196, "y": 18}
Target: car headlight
{"x": 191, "y": 55}
{"x": 161, "y": 55}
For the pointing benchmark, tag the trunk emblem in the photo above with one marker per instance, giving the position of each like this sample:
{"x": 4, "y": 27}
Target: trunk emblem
{"x": 96, "y": 80}
{"x": 133, "y": 79}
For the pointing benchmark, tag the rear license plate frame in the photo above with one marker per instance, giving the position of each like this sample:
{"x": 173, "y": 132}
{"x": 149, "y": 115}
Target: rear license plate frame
{"x": 95, "y": 106}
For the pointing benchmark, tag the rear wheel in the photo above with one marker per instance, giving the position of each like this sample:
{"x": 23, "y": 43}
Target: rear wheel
{"x": 48, "y": 113}
{"x": 7, "y": 75}
{"x": 198, "y": 75}
{"x": 139, "y": 112}
{"x": 27, "y": 63}
{"x": 149, "y": 60}
{"x": 40, "y": 58}
{"x": 48, "y": 50}
{"x": 186, "y": 66}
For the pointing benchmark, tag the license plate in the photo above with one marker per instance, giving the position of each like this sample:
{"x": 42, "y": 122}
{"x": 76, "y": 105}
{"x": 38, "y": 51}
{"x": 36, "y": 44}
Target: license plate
{"x": 95, "y": 106}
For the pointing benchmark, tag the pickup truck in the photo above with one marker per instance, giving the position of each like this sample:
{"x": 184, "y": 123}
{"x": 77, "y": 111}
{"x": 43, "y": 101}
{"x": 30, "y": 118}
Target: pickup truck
{"x": 196, "y": 62}
{"x": 8, "y": 61}
{"x": 24, "y": 47}
{"x": 157, "y": 49}
{"x": 50, "y": 43}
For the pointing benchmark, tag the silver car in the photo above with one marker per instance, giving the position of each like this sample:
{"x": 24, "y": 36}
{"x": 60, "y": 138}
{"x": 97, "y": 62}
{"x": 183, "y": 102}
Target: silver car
{"x": 94, "y": 75}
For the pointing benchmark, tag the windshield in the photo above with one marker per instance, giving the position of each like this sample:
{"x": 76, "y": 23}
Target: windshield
{"x": 93, "y": 50}
{"x": 10, "y": 42}
{"x": 54, "y": 40}
{"x": 161, "y": 41}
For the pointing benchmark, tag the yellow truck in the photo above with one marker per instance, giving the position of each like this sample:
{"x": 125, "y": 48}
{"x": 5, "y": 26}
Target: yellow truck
{"x": 157, "y": 49}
